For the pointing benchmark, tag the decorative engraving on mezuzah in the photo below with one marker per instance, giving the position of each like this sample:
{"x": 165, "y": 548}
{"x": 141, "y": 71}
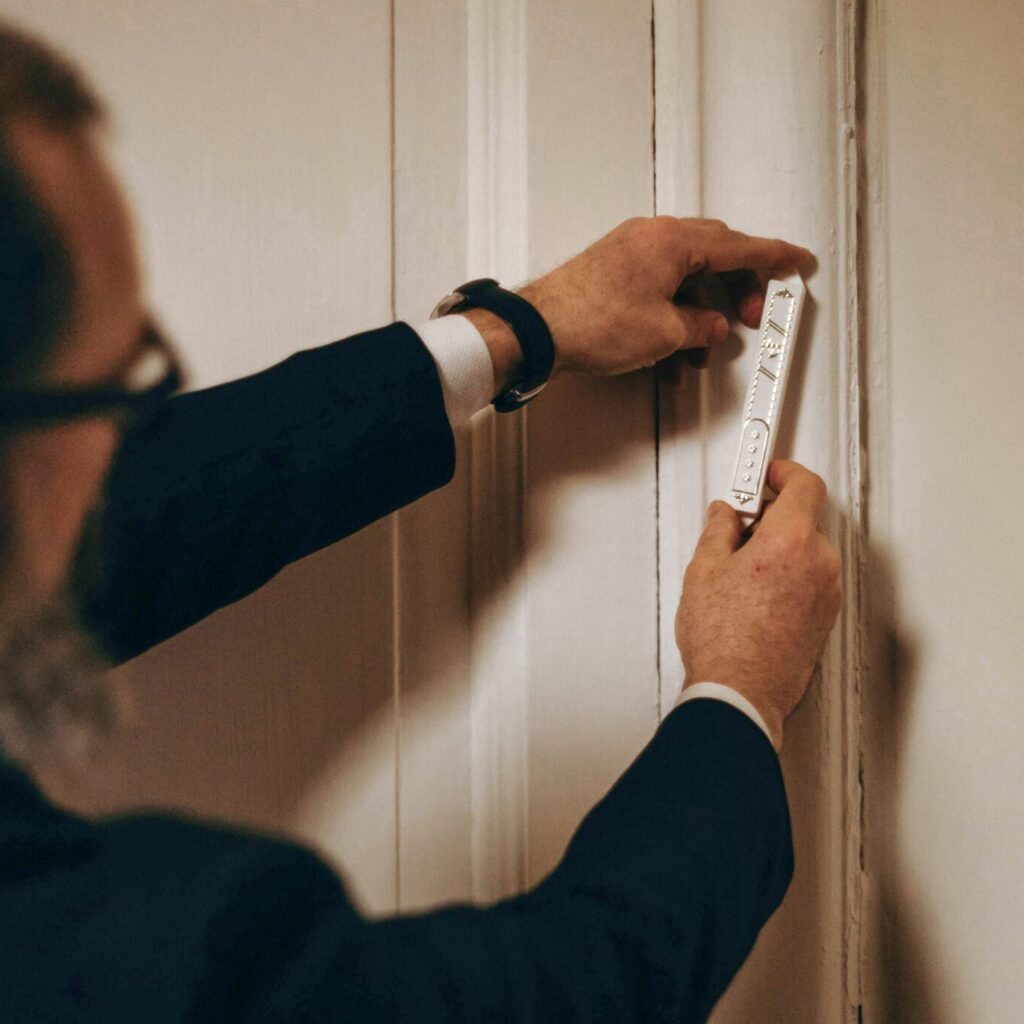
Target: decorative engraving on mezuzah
{"x": 771, "y": 355}
{"x": 750, "y": 464}
{"x": 762, "y": 399}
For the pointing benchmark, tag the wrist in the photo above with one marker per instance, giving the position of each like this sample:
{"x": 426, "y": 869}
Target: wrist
{"x": 502, "y": 345}
{"x": 540, "y": 298}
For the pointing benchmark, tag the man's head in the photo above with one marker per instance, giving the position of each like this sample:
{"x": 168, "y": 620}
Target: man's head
{"x": 71, "y": 315}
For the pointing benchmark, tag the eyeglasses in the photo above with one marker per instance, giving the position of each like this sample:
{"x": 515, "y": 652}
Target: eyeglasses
{"x": 155, "y": 374}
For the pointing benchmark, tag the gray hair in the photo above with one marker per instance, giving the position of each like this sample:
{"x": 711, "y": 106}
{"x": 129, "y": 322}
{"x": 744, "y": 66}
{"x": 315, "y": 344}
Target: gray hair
{"x": 56, "y": 699}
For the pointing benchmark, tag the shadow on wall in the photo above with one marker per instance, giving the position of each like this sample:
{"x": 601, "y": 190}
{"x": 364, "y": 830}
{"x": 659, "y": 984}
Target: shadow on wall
{"x": 908, "y": 981}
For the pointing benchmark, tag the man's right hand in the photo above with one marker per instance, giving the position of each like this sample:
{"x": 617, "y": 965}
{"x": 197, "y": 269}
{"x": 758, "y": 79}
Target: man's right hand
{"x": 616, "y": 307}
{"x": 612, "y": 309}
{"x": 755, "y": 617}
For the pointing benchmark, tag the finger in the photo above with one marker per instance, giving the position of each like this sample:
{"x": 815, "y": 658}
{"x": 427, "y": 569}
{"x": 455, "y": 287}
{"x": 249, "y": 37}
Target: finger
{"x": 743, "y": 294}
{"x": 800, "y": 492}
{"x": 750, "y": 308}
{"x": 721, "y": 536}
{"x": 723, "y": 292}
{"x": 703, "y": 290}
{"x": 753, "y": 527}
{"x": 700, "y": 327}
{"x": 745, "y": 290}
{"x": 726, "y": 250}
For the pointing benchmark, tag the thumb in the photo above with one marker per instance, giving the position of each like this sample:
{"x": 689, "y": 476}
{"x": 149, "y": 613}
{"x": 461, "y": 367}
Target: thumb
{"x": 721, "y": 536}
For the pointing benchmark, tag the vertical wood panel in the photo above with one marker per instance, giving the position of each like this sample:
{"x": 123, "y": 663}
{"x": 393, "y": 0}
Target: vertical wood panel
{"x": 770, "y": 125}
{"x": 498, "y": 199}
{"x": 681, "y": 414}
{"x": 590, "y": 475}
{"x": 434, "y": 770}
{"x": 787, "y": 190}
{"x": 254, "y": 141}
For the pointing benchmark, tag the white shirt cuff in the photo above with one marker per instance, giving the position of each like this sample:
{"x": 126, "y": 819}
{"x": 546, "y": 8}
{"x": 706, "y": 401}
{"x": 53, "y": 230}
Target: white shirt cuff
{"x": 463, "y": 364}
{"x": 719, "y": 691}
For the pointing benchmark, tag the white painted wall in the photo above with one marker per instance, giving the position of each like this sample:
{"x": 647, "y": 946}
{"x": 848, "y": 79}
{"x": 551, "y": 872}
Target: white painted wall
{"x": 945, "y": 706}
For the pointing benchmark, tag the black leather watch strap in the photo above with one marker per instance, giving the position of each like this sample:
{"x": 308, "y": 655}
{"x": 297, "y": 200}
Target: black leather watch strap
{"x": 526, "y": 323}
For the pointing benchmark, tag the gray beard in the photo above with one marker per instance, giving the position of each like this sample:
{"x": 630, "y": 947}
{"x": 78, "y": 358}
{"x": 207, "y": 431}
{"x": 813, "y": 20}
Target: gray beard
{"x": 56, "y": 699}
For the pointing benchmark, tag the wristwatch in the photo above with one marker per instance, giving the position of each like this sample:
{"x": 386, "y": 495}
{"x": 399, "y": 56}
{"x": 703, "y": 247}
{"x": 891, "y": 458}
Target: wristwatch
{"x": 527, "y": 325}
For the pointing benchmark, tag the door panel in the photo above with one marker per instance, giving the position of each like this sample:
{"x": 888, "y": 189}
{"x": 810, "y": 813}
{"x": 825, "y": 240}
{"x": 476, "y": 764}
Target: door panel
{"x": 254, "y": 141}
{"x": 438, "y": 700}
{"x": 754, "y": 97}
{"x": 591, "y": 596}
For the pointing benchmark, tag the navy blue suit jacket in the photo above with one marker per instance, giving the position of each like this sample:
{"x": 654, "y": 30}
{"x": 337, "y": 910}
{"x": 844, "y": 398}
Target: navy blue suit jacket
{"x": 149, "y": 918}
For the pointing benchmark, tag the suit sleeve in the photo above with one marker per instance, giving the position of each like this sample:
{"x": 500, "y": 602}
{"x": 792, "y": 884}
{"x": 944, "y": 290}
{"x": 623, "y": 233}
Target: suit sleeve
{"x": 232, "y": 483}
{"x": 655, "y": 905}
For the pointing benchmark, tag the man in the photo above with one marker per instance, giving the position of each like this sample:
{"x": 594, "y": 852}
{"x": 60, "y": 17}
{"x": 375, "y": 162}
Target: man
{"x": 128, "y": 517}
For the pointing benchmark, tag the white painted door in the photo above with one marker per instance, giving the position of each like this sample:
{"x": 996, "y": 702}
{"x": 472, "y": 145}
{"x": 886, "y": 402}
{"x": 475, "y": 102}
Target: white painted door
{"x": 436, "y": 701}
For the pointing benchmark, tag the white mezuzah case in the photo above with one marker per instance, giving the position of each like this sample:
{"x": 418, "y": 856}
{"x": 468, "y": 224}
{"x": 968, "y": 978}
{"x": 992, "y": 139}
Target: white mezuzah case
{"x": 765, "y": 394}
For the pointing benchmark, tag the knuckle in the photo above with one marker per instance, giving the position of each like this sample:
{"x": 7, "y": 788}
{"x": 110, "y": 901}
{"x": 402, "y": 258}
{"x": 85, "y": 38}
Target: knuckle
{"x": 799, "y": 534}
{"x": 670, "y": 332}
{"x": 815, "y": 481}
{"x": 833, "y": 563}
{"x": 663, "y": 227}
{"x": 831, "y": 603}
{"x": 633, "y": 225}
{"x": 714, "y": 222}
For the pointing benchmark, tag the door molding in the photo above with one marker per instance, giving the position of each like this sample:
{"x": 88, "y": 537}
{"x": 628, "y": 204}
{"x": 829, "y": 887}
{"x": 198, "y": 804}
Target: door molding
{"x": 497, "y": 245}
